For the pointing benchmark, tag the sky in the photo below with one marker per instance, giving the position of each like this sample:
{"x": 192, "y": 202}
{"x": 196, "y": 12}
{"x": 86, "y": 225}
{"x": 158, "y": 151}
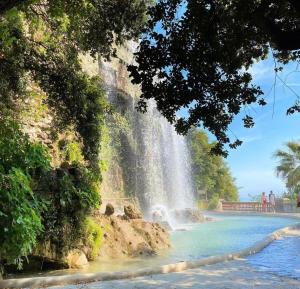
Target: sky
{"x": 253, "y": 164}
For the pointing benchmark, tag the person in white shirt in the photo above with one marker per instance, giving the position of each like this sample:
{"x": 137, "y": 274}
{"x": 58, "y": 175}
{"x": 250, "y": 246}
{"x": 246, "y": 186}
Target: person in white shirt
{"x": 272, "y": 201}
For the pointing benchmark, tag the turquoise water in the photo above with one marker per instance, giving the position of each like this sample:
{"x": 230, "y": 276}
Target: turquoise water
{"x": 195, "y": 241}
{"x": 227, "y": 234}
{"x": 282, "y": 258}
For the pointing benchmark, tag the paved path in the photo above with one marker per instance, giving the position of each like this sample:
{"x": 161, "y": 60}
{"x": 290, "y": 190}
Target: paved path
{"x": 229, "y": 275}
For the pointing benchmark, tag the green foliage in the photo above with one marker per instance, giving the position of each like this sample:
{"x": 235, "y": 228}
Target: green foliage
{"x": 33, "y": 196}
{"x": 213, "y": 202}
{"x": 211, "y": 174}
{"x": 73, "y": 192}
{"x": 41, "y": 41}
{"x": 71, "y": 152}
{"x": 17, "y": 151}
{"x": 289, "y": 166}
{"x": 94, "y": 236}
{"x": 40, "y": 44}
{"x": 20, "y": 208}
{"x": 200, "y": 56}
{"x": 20, "y": 221}
{"x": 74, "y": 154}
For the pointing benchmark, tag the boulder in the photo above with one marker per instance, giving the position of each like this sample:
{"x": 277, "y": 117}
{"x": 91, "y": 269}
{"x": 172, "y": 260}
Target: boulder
{"x": 76, "y": 259}
{"x": 109, "y": 210}
{"x": 132, "y": 213}
{"x": 188, "y": 216}
{"x": 143, "y": 249}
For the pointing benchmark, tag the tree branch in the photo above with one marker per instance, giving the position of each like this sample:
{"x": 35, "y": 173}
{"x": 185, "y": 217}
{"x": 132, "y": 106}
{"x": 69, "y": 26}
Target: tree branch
{"x": 5, "y": 5}
{"x": 283, "y": 39}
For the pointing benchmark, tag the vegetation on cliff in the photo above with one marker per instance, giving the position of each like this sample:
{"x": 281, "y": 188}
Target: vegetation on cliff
{"x": 43, "y": 199}
{"x": 22, "y": 163}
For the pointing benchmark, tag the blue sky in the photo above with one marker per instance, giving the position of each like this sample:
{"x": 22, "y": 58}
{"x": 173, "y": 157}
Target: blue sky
{"x": 253, "y": 164}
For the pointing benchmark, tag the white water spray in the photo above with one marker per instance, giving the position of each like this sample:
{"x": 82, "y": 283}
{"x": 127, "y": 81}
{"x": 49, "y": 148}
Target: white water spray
{"x": 166, "y": 163}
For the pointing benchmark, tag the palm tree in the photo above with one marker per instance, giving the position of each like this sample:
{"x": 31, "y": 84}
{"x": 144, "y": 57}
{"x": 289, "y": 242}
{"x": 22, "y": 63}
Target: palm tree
{"x": 289, "y": 165}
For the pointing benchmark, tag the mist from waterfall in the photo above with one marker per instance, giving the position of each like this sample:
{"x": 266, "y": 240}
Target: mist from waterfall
{"x": 165, "y": 162}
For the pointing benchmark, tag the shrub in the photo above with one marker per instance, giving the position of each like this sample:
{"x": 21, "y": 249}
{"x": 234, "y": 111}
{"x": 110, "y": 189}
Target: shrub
{"x": 20, "y": 208}
{"x": 20, "y": 220}
{"x": 94, "y": 236}
{"x": 73, "y": 193}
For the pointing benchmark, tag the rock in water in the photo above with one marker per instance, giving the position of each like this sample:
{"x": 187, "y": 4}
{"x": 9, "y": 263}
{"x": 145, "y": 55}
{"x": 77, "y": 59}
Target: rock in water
{"x": 188, "y": 216}
{"x": 132, "y": 213}
{"x": 76, "y": 259}
{"x": 109, "y": 210}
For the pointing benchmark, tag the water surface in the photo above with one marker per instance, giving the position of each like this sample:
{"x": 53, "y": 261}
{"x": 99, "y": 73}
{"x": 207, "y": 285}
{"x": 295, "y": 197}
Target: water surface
{"x": 282, "y": 258}
{"x": 195, "y": 241}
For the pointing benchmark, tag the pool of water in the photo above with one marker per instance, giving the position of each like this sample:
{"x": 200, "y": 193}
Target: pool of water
{"x": 226, "y": 234}
{"x": 282, "y": 258}
{"x": 195, "y": 241}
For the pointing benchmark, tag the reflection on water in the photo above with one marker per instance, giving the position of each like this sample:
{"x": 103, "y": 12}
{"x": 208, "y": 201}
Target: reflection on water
{"x": 282, "y": 258}
{"x": 224, "y": 235}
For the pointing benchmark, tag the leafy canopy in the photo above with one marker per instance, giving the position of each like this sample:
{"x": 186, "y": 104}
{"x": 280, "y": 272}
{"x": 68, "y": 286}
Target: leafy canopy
{"x": 195, "y": 54}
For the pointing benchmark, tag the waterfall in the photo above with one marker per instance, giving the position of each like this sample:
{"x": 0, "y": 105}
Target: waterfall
{"x": 164, "y": 159}
{"x": 155, "y": 159}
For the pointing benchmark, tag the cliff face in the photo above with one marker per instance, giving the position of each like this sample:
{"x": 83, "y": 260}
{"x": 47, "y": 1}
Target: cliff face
{"x": 118, "y": 149}
{"x": 117, "y": 146}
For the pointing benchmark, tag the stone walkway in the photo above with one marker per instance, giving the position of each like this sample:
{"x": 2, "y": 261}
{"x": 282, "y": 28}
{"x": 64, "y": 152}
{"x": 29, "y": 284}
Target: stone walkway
{"x": 229, "y": 275}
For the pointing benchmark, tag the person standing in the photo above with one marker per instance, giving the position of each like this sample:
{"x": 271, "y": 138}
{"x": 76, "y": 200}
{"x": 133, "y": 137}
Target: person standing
{"x": 264, "y": 202}
{"x": 272, "y": 201}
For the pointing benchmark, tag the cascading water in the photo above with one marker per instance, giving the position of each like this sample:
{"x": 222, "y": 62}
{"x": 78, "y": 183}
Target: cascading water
{"x": 164, "y": 158}
{"x": 157, "y": 158}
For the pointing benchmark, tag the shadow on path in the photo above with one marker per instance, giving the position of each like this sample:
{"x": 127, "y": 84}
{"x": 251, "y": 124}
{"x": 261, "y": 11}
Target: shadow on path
{"x": 229, "y": 275}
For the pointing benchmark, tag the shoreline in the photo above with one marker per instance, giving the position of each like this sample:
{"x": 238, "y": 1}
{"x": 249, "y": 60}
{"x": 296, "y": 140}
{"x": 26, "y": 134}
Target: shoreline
{"x": 170, "y": 268}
